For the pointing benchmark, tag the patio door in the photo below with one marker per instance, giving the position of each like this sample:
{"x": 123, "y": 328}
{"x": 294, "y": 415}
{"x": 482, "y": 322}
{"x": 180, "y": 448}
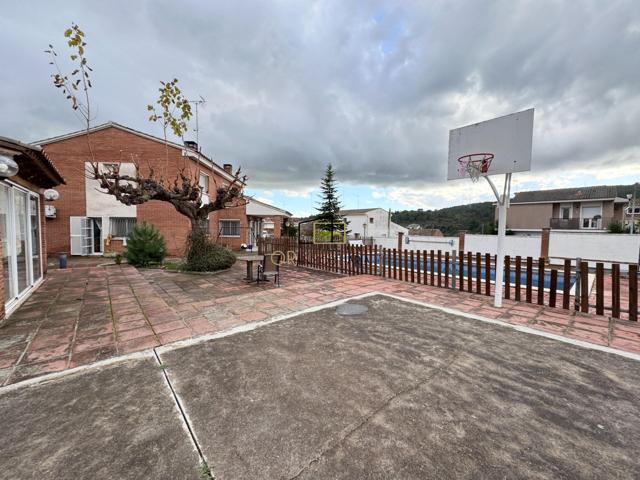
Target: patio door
{"x": 86, "y": 235}
{"x": 21, "y": 242}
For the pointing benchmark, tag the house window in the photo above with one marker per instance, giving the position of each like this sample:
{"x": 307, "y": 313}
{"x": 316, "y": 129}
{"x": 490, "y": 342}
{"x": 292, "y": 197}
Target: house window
{"x": 229, "y": 228}
{"x": 371, "y": 220}
{"x": 592, "y": 217}
{"x": 565, "y": 212}
{"x": 203, "y": 181}
{"x": 121, "y": 227}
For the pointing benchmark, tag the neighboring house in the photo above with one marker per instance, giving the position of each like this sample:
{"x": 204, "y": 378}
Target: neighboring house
{"x": 265, "y": 221}
{"x": 87, "y": 221}
{"x": 414, "y": 226}
{"x": 22, "y": 222}
{"x": 371, "y": 222}
{"x": 578, "y": 209}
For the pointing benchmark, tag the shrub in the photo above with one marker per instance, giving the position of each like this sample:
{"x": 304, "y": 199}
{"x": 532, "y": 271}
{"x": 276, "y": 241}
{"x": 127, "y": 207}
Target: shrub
{"x": 118, "y": 258}
{"x": 204, "y": 255}
{"x": 616, "y": 227}
{"x": 145, "y": 245}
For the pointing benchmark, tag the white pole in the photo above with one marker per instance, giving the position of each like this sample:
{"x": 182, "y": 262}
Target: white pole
{"x": 502, "y": 227}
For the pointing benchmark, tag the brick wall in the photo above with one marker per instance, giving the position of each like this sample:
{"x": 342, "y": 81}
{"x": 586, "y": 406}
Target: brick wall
{"x": 115, "y": 145}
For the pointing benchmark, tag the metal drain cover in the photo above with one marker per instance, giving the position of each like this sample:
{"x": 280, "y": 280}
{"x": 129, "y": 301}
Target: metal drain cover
{"x": 351, "y": 309}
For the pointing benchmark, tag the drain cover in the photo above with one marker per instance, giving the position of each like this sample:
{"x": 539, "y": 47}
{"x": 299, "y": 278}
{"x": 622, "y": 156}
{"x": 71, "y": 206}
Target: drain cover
{"x": 352, "y": 309}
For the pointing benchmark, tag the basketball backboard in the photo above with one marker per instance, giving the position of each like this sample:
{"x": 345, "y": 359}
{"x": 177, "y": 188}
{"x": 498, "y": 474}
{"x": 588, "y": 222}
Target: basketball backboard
{"x": 496, "y": 146}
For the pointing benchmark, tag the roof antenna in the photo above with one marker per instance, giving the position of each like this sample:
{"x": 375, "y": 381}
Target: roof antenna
{"x": 202, "y": 101}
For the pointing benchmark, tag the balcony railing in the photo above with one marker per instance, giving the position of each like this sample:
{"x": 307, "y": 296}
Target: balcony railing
{"x": 564, "y": 223}
{"x": 580, "y": 223}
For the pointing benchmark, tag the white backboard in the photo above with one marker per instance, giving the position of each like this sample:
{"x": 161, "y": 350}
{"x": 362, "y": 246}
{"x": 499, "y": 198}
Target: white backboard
{"x": 500, "y": 145}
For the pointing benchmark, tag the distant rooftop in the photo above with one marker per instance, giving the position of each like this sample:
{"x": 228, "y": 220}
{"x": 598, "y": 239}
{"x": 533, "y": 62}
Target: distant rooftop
{"x": 599, "y": 192}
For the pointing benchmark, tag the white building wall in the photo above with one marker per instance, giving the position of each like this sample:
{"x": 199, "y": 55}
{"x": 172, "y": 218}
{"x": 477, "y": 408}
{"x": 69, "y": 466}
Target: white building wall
{"x": 598, "y": 246}
{"x": 99, "y": 204}
{"x": 381, "y": 227}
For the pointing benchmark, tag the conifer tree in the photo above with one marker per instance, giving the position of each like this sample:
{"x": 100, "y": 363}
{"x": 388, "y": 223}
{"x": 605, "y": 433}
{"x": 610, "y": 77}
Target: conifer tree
{"x": 330, "y": 205}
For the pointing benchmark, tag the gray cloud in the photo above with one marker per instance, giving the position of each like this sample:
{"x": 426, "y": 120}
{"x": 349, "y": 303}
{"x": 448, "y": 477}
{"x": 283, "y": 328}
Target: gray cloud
{"x": 370, "y": 87}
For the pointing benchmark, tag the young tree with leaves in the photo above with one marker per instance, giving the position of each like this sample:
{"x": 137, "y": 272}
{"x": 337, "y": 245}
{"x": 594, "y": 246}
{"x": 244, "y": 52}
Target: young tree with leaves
{"x": 181, "y": 189}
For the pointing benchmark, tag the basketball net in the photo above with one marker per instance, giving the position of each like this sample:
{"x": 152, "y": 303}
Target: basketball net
{"x": 475, "y": 164}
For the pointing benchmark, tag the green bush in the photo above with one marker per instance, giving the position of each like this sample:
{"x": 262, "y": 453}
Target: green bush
{"x": 145, "y": 245}
{"x": 616, "y": 227}
{"x": 204, "y": 255}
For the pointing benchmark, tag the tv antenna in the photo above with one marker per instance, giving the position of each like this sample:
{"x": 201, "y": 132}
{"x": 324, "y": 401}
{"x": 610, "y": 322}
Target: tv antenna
{"x": 197, "y": 103}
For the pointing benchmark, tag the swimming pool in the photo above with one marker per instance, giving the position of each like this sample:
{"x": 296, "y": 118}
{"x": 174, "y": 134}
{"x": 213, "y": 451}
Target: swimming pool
{"x": 426, "y": 267}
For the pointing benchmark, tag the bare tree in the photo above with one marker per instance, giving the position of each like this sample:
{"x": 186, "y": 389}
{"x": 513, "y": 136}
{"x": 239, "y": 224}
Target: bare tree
{"x": 179, "y": 188}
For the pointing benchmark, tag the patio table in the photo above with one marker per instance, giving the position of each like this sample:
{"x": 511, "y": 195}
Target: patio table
{"x": 250, "y": 259}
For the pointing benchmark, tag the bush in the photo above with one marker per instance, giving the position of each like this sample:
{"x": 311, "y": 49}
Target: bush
{"x": 145, "y": 245}
{"x": 204, "y": 255}
{"x": 616, "y": 227}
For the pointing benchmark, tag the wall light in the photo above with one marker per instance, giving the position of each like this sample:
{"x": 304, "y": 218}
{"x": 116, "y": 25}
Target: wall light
{"x": 8, "y": 166}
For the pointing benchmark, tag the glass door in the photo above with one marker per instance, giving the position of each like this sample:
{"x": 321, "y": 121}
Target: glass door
{"x": 21, "y": 242}
{"x": 36, "y": 254}
{"x": 6, "y": 235}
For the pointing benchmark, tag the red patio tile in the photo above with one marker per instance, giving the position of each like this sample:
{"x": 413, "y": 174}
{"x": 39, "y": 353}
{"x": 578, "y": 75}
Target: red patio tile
{"x": 174, "y": 335}
{"x": 93, "y": 343}
{"x": 138, "y": 344}
{"x": 134, "y": 333}
{"x": 169, "y": 326}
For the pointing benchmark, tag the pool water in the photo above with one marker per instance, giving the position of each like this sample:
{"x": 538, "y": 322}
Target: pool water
{"x": 426, "y": 266}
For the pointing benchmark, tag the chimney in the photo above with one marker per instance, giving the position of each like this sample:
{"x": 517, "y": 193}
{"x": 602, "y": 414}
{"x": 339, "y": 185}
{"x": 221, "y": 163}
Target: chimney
{"x": 228, "y": 168}
{"x": 191, "y": 145}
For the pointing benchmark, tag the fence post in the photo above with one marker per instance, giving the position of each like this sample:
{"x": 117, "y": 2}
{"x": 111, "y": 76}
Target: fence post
{"x": 633, "y": 293}
{"x": 600, "y": 288}
{"x": 400, "y": 237}
{"x": 615, "y": 294}
{"x": 544, "y": 243}
{"x": 577, "y": 295}
{"x": 461, "y": 235}
{"x": 455, "y": 269}
{"x": 541, "y": 275}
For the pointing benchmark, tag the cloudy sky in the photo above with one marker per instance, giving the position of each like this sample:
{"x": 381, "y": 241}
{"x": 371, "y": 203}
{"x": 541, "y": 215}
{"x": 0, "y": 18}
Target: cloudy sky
{"x": 372, "y": 87}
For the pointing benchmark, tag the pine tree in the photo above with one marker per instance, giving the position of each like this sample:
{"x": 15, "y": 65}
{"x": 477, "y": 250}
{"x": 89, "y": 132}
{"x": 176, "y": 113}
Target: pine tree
{"x": 330, "y": 205}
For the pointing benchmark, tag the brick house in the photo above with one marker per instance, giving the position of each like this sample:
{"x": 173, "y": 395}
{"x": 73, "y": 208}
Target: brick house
{"x": 90, "y": 222}
{"x": 579, "y": 209}
{"x": 22, "y": 222}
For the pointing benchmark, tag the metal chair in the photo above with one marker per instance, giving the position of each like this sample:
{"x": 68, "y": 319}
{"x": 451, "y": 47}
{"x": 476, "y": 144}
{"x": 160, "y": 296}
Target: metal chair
{"x": 269, "y": 267}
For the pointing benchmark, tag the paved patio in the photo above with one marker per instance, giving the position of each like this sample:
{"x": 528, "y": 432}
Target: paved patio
{"x": 394, "y": 390}
{"x": 85, "y": 314}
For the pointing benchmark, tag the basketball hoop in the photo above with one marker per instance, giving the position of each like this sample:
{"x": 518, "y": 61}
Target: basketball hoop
{"x": 475, "y": 165}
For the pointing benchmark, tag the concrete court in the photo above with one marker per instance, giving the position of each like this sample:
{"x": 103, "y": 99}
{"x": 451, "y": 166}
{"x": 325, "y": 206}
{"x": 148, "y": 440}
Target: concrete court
{"x": 401, "y": 391}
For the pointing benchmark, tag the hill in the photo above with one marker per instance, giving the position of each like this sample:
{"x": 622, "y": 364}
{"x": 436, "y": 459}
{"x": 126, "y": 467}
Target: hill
{"x": 474, "y": 218}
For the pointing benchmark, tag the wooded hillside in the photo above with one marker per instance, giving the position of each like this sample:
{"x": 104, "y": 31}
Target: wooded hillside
{"x": 474, "y": 218}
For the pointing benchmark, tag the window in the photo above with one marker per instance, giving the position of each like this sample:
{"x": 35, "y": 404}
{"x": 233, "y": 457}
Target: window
{"x": 121, "y": 227}
{"x": 371, "y": 220}
{"x": 591, "y": 216}
{"x": 203, "y": 181}
{"x": 229, "y": 228}
{"x": 565, "y": 212}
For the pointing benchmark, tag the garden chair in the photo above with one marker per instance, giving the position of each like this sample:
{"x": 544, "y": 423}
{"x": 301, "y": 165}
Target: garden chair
{"x": 270, "y": 267}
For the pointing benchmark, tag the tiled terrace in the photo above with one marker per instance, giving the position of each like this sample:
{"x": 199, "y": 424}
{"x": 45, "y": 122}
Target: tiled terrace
{"x": 82, "y": 315}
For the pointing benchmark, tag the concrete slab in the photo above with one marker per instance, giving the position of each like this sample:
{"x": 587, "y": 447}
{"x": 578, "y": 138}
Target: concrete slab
{"x": 115, "y": 422}
{"x": 405, "y": 391}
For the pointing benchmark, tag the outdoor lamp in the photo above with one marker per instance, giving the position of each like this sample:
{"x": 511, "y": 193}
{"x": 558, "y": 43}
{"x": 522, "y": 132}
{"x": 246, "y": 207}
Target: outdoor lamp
{"x": 8, "y": 166}
{"x": 50, "y": 194}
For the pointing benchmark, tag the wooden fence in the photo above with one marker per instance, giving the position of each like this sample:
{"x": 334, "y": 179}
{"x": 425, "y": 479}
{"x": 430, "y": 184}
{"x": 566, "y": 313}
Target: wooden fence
{"x": 535, "y": 281}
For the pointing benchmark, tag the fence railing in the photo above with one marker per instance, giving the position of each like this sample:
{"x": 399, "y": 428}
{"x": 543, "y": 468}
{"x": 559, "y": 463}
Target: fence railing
{"x": 572, "y": 285}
